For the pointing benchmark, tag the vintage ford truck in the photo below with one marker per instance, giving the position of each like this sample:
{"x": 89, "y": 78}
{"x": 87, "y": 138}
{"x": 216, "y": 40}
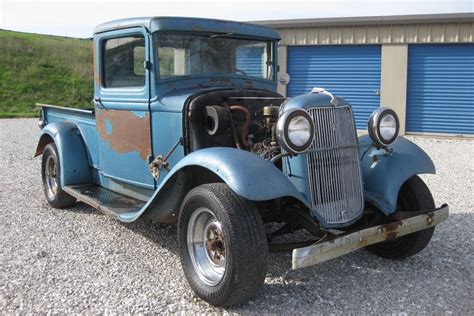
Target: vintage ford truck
{"x": 187, "y": 128}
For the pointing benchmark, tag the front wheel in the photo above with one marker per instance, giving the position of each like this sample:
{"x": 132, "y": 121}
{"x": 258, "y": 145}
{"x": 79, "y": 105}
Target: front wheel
{"x": 414, "y": 195}
{"x": 223, "y": 248}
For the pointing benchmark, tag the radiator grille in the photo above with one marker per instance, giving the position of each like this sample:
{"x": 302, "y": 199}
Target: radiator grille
{"x": 334, "y": 174}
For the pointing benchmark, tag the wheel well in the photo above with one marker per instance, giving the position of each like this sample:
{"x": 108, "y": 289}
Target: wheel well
{"x": 165, "y": 207}
{"x": 45, "y": 139}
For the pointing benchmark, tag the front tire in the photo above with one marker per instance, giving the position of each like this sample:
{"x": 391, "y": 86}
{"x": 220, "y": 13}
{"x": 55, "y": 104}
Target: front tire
{"x": 51, "y": 176}
{"x": 222, "y": 243}
{"x": 414, "y": 196}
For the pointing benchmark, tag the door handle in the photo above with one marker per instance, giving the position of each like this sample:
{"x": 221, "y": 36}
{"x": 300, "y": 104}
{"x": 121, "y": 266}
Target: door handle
{"x": 98, "y": 103}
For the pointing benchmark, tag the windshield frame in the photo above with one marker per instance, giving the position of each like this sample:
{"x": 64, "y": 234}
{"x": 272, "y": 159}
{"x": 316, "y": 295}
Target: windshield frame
{"x": 223, "y": 35}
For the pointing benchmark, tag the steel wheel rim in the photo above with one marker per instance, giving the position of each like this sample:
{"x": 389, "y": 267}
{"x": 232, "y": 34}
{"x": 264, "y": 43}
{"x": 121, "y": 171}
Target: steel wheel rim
{"x": 206, "y": 246}
{"x": 51, "y": 176}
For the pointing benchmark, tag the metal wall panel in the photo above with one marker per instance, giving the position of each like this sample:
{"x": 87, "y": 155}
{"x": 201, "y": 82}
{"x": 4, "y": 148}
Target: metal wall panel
{"x": 349, "y": 71}
{"x": 379, "y": 34}
{"x": 441, "y": 88}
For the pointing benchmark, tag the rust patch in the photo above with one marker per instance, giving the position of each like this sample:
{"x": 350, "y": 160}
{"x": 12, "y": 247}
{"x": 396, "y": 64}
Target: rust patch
{"x": 391, "y": 226}
{"x": 429, "y": 218}
{"x": 391, "y": 235}
{"x": 390, "y": 230}
{"x": 125, "y": 131}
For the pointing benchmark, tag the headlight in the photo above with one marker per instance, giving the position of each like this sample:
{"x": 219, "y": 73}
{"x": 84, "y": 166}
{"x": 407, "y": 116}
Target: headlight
{"x": 383, "y": 126}
{"x": 295, "y": 131}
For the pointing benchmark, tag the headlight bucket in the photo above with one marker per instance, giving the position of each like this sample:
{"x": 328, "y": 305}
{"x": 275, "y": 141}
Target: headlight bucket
{"x": 295, "y": 131}
{"x": 383, "y": 126}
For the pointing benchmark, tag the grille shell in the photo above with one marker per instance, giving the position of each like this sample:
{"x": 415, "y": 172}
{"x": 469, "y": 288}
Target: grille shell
{"x": 334, "y": 174}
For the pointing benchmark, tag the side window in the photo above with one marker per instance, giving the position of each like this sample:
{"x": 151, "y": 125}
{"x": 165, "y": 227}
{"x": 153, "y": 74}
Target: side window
{"x": 123, "y": 62}
{"x": 172, "y": 61}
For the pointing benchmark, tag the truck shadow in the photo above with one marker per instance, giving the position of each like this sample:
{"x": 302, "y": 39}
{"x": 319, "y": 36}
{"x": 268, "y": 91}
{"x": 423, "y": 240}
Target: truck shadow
{"x": 357, "y": 281}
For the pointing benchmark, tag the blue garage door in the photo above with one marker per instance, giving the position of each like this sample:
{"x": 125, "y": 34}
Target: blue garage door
{"x": 250, "y": 60}
{"x": 349, "y": 71}
{"x": 441, "y": 88}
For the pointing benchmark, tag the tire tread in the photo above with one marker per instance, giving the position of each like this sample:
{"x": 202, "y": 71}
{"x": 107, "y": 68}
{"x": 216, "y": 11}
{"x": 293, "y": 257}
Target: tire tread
{"x": 414, "y": 196}
{"x": 247, "y": 235}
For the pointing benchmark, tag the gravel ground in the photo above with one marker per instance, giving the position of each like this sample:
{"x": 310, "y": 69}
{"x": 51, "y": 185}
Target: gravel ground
{"x": 80, "y": 261}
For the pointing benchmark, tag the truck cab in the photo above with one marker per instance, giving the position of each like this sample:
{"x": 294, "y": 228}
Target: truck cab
{"x": 147, "y": 70}
{"x": 187, "y": 128}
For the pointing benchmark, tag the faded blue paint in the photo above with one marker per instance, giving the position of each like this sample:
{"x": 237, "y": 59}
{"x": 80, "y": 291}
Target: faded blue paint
{"x": 168, "y": 129}
{"x": 311, "y": 100}
{"x": 295, "y": 168}
{"x": 247, "y": 174}
{"x": 163, "y": 24}
{"x": 139, "y": 113}
{"x": 84, "y": 121}
{"x": 108, "y": 127}
{"x": 383, "y": 182}
{"x": 87, "y": 158}
{"x": 72, "y": 152}
{"x": 126, "y": 167}
{"x": 120, "y": 98}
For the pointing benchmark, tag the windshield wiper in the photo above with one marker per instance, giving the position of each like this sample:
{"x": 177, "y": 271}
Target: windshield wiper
{"x": 221, "y": 35}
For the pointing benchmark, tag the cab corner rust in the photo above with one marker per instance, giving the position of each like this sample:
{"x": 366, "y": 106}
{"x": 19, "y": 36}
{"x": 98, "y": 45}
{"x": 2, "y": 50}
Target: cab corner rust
{"x": 125, "y": 131}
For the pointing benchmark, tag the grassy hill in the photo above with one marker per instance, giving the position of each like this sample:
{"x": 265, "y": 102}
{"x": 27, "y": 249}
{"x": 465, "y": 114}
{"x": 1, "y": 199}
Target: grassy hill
{"x": 46, "y": 69}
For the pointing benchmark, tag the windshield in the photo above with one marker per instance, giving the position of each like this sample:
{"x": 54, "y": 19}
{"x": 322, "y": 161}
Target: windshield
{"x": 183, "y": 55}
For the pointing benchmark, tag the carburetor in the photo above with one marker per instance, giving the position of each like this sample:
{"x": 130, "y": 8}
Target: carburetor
{"x": 270, "y": 118}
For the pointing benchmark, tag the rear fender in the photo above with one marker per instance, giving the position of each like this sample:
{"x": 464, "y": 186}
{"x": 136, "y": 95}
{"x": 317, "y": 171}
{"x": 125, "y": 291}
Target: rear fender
{"x": 72, "y": 152}
{"x": 247, "y": 174}
{"x": 383, "y": 180}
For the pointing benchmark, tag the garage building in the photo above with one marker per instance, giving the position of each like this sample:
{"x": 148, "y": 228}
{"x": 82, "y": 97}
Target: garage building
{"x": 422, "y": 66}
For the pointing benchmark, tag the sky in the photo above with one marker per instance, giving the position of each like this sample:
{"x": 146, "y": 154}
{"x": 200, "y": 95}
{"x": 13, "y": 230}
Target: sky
{"x": 77, "y": 18}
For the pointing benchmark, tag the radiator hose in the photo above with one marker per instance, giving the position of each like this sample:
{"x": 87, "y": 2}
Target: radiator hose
{"x": 245, "y": 128}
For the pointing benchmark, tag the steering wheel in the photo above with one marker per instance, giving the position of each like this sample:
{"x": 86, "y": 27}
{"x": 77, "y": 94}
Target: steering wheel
{"x": 240, "y": 71}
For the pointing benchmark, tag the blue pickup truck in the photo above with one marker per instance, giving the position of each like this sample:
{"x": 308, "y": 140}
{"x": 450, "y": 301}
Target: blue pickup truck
{"x": 187, "y": 128}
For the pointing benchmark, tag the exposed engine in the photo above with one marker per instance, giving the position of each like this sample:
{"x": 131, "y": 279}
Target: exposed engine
{"x": 250, "y": 131}
{"x": 245, "y": 120}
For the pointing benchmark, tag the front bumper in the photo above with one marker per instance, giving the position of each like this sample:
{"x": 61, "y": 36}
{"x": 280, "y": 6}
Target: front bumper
{"x": 326, "y": 250}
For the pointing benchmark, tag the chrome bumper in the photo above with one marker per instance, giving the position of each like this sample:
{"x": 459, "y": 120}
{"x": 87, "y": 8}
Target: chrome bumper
{"x": 326, "y": 250}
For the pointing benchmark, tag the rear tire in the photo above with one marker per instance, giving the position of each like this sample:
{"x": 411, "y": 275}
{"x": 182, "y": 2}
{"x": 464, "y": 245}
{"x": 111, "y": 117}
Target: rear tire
{"x": 51, "y": 175}
{"x": 222, "y": 243}
{"x": 414, "y": 196}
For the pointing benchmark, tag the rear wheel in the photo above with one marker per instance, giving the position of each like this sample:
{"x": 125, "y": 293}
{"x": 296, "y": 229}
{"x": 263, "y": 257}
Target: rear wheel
{"x": 51, "y": 175}
{"x": 223, "y": 248}
{"x": 414, "y": 196}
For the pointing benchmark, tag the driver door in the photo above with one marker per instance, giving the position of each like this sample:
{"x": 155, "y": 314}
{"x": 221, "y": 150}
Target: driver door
{"x": 122, "y": 109}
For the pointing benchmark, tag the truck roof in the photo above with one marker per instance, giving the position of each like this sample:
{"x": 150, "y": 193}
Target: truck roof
{"x": 153, "y": 24}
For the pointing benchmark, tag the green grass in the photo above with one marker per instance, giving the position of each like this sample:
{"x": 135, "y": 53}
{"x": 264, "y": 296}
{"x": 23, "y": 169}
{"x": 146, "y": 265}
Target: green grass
{"x": 45, "y": 69}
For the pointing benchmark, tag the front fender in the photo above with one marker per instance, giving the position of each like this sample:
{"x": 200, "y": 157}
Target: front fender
{"x": 245, "y": 173}
{"x": 73, "y": 160}
{"x": 383, "y": 181}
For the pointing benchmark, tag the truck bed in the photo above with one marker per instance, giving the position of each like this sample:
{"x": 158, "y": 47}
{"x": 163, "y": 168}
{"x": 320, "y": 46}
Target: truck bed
{"x": 84, "y": 119}
{"x": 50, "y": 112}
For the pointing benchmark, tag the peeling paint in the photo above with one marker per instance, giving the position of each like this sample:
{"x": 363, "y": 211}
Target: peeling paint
{"x": 108, "y": 127}
{"x": 125, "y": 131}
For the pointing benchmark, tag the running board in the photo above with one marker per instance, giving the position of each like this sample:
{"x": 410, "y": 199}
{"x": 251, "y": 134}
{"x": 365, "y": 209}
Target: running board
{"x": 104, "y": 200}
